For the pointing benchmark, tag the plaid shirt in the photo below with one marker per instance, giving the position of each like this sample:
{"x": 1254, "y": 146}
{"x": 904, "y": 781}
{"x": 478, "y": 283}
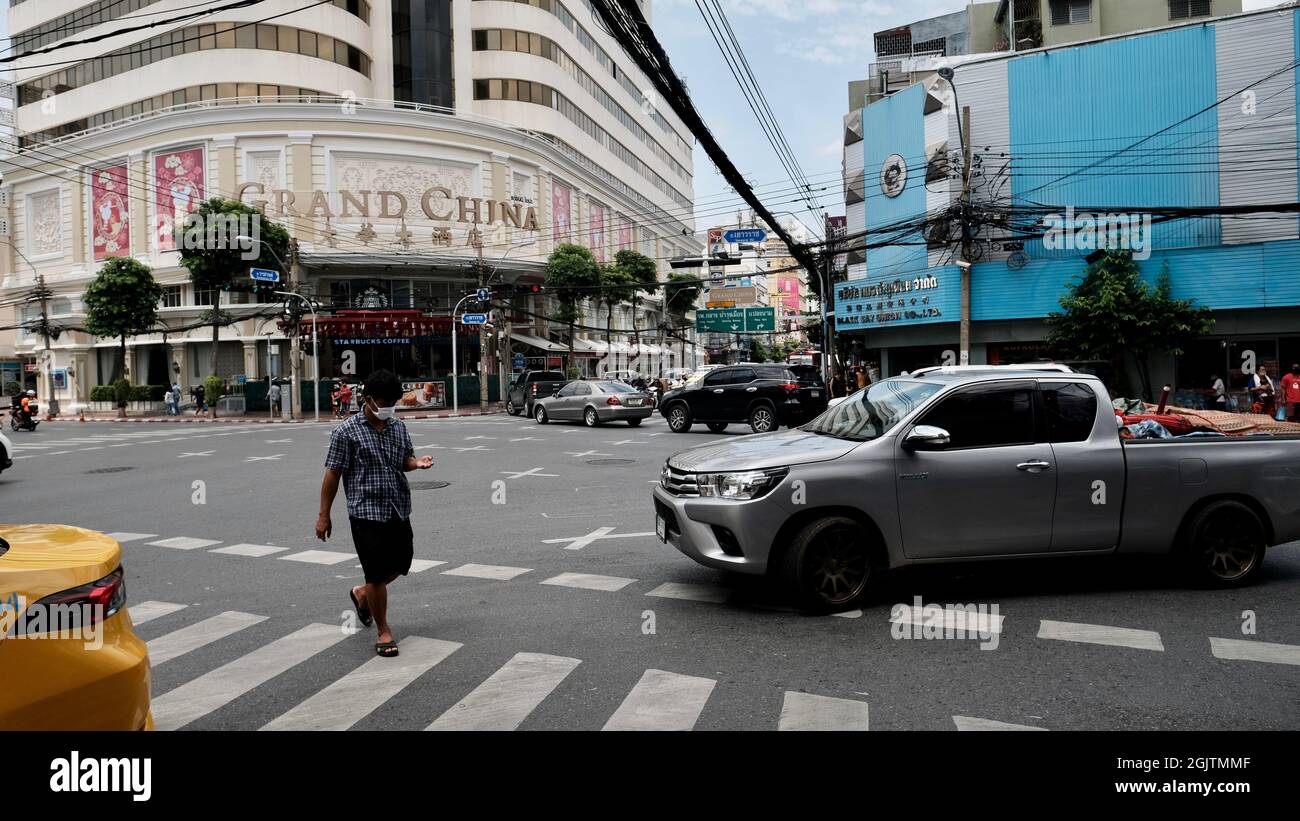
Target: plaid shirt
{"x": 372, "y": 463}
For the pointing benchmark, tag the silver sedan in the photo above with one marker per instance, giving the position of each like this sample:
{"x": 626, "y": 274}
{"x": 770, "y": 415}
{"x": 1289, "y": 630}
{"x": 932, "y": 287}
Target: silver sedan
{"x": 593, "y": 403}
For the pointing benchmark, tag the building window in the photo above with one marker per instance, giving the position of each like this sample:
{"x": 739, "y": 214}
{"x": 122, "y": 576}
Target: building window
{"x": 1069, "y": 12}
{"x": 172, "y": 296}
{"x": 183, "y": 41}
{"x": 422, "y": 53}
{"x": 1186, "y": 9}
{"x": 204, "y": 296}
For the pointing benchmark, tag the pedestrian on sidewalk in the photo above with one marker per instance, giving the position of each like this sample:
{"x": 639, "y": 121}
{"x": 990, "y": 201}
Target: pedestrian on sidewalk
{"x": 199, "y": 393}
{"x": 174, "y": 400}
{"x": 370, "y": 453}
{"x": 274, "y": 395}
{"x": 1291, "y": 393}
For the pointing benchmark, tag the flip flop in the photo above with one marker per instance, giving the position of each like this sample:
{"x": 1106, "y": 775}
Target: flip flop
{"x": 363, "y": 613}
{"x": 387, "y": 649}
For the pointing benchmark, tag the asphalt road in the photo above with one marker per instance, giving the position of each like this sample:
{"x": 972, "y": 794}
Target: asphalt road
{"x": 244, "y": 623}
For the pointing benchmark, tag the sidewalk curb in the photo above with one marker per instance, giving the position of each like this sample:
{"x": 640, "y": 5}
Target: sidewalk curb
{"x": 233, "y": 420}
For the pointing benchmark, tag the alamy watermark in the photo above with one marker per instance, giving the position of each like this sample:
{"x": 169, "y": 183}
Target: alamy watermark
{"x": 75, "y": 622}
{"x": 948, "y": 621}
{"x": 1098, "y": 232}
{"x": 211, "y": 232}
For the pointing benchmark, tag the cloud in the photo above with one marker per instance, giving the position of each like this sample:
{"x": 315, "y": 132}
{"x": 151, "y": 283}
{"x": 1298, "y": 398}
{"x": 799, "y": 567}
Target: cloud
{"x": 834, "y": 148}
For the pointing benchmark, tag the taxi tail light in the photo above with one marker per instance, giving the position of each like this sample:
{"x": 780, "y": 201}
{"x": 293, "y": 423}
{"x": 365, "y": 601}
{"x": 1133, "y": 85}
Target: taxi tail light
{"x": 92, "y": 603}
{"x": 613, "y": 400}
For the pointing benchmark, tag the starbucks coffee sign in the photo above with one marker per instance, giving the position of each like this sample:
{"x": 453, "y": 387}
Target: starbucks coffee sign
{"x": 438, "y": 204}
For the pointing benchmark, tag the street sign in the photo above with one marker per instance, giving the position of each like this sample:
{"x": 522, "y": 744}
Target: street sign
{"x": 723, "y": 319}
{"x": 518, "y": 362}
{"x": 745, "y": 235}
{"x": 760, "y": 319}
{"x": 740, "y": 294}
{"x": 484, "y": 294}
{"x": 717, "y": 276}
{"x": 473, "y": 319}
{"x": 263, "y": 275}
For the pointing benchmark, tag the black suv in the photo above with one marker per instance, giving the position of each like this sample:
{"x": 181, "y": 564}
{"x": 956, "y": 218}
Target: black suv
{"x": 765, "y": 396}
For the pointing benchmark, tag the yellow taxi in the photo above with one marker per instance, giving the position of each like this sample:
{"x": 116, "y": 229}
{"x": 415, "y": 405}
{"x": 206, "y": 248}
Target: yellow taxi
{"x": 70, "y": 656}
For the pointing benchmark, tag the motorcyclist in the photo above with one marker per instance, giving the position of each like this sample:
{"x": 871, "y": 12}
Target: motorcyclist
{"x": 23, "y": 411}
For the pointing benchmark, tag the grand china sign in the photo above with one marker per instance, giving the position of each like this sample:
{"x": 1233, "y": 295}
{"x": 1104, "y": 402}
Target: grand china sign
{"x": 438, "y": 204}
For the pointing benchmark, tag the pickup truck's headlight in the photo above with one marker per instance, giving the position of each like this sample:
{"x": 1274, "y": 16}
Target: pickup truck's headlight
{"x": 750, "y": 484}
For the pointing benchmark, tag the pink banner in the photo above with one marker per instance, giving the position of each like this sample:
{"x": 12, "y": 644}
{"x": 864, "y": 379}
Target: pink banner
{"x": 178, "y": 189}
{"x": 789, "y": 288}
{"x": 110, "y": 213}
{"x": 624, "y": 235}
{"x": 597, "y": 231}
{"x": 561, "y": 197}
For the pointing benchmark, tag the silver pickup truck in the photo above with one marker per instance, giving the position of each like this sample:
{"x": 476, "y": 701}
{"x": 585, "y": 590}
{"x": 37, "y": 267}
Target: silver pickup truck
{"x": 967, "y": 465}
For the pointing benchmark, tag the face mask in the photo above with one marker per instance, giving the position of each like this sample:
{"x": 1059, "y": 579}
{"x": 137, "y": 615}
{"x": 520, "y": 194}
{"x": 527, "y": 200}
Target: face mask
{"x": 384, "y": 414}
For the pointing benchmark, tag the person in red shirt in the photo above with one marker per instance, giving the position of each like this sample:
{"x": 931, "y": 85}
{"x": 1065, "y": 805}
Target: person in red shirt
{"x": 345, "y": 400}
{"x": 1291, "y": 393}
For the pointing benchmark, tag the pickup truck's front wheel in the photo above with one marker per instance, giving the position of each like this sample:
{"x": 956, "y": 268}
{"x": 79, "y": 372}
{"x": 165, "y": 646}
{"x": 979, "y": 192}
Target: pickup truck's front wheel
{"x": 1225, "y": 545}
{"x": 829, "y": 564}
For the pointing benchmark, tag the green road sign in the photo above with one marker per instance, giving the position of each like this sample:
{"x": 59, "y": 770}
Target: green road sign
{"x": 729, "y": 320}
{"x": 760, "y": 319}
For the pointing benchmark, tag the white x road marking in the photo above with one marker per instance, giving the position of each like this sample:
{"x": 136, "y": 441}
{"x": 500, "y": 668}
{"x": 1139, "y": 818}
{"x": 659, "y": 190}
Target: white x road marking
{"x": 277, "y": 441}
{"x": 202, "y": 453}
{"x": 579, "y": 455}
{"x": 431, "y": 447}
{"x": 476, "y": 447}
{"x": 579, "y": 542}
{"x": 627, "y": 442}
{"x": 263, "y": 458}
{"x": 468, "y": 438}
{"x": 528, "y": 439}
{"x": 533, "y": 472}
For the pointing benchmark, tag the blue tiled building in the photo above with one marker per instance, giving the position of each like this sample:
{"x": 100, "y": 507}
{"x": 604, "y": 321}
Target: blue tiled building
{"x": 1198, "y": 116}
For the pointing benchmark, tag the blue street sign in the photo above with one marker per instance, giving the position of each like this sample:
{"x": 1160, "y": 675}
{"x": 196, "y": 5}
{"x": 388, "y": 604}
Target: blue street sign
{"x": 484, "y": 294}
{"x": 473, "y": 319}
{"x": 745, "y": 235}
{"x": 518, "y": 362}
{"x": 264, "y": 274}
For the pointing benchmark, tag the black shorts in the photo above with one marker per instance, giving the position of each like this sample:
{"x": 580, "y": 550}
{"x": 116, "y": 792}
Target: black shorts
{"x": 384, "y": 548}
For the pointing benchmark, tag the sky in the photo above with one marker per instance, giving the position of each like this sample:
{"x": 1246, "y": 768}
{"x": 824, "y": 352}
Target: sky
{"x": 803, "y": 53}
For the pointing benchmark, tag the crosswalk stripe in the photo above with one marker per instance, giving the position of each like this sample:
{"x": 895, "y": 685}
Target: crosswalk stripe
{"x": 1100, "y": 634}
{"x": 589, "y": 581}
{"x": 365, "y": 689}
{"x": 255, "y": 550}
{"x": 1241, "y": 650}
{"x": 185, "y": 543}
{"x": 968, "y": 723}
{"x": 691, "y": 592}
{"x": 662, "y": 701}
{"x": 509, "y": 695}
{"x": 317, "y": 557}
{"x": 131, "y": 537}
{"x": 805, "y": 711}
{"x": 421, "y": 565}
{"x": 947, "y": 619}
{"x": 487, "y": 571}
{"x": 200, "y": 634}
{"x": 200, "y": 696}
{"x": 147, "y": 611}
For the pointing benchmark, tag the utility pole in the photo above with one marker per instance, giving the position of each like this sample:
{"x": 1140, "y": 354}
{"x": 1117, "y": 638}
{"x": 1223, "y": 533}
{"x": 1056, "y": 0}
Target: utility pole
{"x": 482, "y": 334}
{"x": 295, "y": 343}
{"x": 965, "y": 235}
{"x": 51, "y": 404}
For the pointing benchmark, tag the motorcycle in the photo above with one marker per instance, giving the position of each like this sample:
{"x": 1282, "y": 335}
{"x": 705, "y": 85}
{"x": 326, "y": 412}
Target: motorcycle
{"x": 16, "y": 422}
{"x": 653, "y": 391}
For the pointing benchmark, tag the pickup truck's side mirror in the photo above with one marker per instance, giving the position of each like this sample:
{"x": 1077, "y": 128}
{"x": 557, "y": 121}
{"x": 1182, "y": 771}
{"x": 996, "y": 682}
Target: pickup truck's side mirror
{"x": 926, "y": 436}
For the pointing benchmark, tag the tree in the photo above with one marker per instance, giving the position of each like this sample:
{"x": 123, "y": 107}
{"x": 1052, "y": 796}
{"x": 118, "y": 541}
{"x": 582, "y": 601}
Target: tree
{"x": 1111, "y": 309}
{"x": 214, "y": 258}
{"x": 680, "y": 295}
{"x": 572, "y": 274}
{"x": 122, "y": 301}
{"x": 616, "y": 287}
{"x": 645, "y": 275}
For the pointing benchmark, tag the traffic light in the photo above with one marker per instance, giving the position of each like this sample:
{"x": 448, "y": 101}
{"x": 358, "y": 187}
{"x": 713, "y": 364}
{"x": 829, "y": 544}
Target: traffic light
{"x": 535, "y": 288}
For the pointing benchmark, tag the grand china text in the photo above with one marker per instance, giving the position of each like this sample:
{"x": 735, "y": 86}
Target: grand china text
{"x": 438, "y": 204}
